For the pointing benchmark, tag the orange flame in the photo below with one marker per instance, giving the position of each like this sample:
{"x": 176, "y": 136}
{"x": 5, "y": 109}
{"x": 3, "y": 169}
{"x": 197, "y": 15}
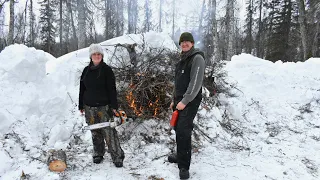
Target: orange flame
{"x": 139, "y": 109}
{"x": 157, "y": 105}
{"x": 133, "y": 104}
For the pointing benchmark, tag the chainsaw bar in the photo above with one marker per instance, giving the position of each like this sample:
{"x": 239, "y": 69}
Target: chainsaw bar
{"x": 100, "y": 125}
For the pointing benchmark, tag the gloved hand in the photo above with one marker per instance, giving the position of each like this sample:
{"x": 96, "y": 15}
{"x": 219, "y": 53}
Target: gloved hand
{"x": 120, "y": 116}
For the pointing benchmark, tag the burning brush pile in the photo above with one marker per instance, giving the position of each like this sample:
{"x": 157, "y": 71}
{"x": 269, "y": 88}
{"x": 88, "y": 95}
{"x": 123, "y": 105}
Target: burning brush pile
{"x": 145, "y": 85}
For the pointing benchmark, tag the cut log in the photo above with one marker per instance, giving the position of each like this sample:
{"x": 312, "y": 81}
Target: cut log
{"x": 57, "y": 160}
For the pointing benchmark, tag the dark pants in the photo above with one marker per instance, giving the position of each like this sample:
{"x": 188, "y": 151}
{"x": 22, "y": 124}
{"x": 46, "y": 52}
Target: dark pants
{"x": 100, "y": 136}
{"x": 183, "y": 133}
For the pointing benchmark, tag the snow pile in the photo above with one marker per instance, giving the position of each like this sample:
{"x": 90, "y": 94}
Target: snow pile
{"x": 274, "y": 120}
{"x": 22, "y": 73}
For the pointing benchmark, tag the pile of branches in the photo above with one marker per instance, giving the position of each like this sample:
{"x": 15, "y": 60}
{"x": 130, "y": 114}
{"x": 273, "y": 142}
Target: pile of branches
{"x": 215, "y": 82}
{"x": 145, "y": 85}
{"x": 146, "y": 81}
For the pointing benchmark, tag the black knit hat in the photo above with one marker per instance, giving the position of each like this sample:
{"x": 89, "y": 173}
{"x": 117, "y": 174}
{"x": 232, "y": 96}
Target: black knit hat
{"x": 186, "y": 36}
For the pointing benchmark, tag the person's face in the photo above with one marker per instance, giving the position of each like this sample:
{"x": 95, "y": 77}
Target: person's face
{"x": 186, "y": 45}
{"x": 96, "y": 58}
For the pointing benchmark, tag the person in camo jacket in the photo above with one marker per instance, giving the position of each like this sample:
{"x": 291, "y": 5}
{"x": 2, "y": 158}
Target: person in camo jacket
{"x": 187, "y": 95}
{"x": 98, "y": 100}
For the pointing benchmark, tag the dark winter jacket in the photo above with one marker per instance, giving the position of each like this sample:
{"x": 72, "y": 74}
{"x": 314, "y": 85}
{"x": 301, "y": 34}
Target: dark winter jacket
{"x": 97, "y": 86}
{"x": 189, "y": 75}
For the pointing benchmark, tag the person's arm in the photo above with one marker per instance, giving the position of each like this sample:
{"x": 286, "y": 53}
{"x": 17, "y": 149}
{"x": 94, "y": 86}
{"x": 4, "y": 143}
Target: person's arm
{"x": 82, "y": 89}
{"x": 196, "y": 79}
{"x": 111, "y": 87}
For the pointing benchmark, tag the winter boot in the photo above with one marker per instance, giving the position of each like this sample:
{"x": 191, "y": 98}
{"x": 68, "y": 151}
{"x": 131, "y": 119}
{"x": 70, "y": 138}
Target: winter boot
{"x": 118, "y": 162}
{"x": 172, "y": 158}
{"x": 184, "y": 174}
{"x": 97, "y": 159}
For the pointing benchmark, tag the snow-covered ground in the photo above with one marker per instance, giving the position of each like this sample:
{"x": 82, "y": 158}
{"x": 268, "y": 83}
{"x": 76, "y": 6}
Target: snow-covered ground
{"x": 273, "y": 129}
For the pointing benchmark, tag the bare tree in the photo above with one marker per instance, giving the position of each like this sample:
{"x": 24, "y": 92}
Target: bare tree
{"x": 74, "y": 32}
{"x": 215, "y": 31}
{"x": 249, "y": 27}
{"x": 160, "y": 15}
{"x": 259, "y": 35}
{"x": 316, "y": 39}
{"x": 92, "y": 34}
{"x": 303, "y": 30}
{"x": 24, "y": 23}
{"x": 173, "y": 17}
{"x": 147, "y": 22}
{"x": 32, "y": 23}
{"x": 81, "y": 24}
{"x": 201, "y": 16}
{"x": 117, "y": 18}
{"x": 60, "y": 21}
{"x": 132, "y": 16}
{"x": 230, "y": 29}
{"x": 315, "y": 19}
{"x": 11, "y": 24}
{"x": 121, "y": 17}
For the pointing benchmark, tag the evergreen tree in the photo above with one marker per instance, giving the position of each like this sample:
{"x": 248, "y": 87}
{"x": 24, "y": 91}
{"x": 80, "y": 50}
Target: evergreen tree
{"x": 313, "y": 26}
{"x": 249, "y": 27}
{"x": 279, "y": 30}
{"x": 47, "y": 28}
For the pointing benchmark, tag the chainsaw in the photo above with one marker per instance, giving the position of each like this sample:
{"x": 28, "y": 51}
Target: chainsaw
{"x": 121, "y": 119}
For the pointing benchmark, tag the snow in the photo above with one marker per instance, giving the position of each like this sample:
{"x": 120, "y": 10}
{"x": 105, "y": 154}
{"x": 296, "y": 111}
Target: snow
{"x": 275, "y": 118}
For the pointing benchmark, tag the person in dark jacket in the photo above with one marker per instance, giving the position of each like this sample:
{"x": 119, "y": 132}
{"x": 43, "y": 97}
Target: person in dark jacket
{"x": 98, "y": 100}
{"x": 187, "y": 95}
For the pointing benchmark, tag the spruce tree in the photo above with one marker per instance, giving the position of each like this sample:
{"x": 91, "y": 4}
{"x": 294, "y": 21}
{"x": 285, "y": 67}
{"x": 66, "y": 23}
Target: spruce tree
{"x": 47, "y": 29}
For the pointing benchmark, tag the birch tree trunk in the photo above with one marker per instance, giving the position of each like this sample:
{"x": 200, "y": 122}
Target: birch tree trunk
{"x": 117, "y": 18}
{"x": 173, "y": 17}
{"x": 303, "y": 31}
{"x": 121, "y": 17}
{"x": 11, "y": 23}
{"x": 249, "y": 28}
{"x": 107, "y": 25}
{"x": 147, "y": 16}
{"x": 130, "y": 19}
{"x": 81, "y": 24}
{"x": 315, "y": 47}
{"x": 24, "y": 24}
{"x": 230, "y": 29}
{"x": 32, "y": 19}
{"x": 216, "y": 54}
{"x": 259, "y": 53}
{"x": 74, "y": 31}
{"x": 160, "y": 15}
{"x": 135, "y": 15}
{"x": 201, "y": 17}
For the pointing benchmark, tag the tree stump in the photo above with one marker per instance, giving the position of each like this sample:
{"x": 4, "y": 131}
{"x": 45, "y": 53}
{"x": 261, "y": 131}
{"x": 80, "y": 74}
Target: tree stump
{"x": 57, "y": 160}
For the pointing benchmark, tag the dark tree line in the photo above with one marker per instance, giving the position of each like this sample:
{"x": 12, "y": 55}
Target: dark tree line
{"x": 287, "y": 30}
{"x": 67, "y": 25}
